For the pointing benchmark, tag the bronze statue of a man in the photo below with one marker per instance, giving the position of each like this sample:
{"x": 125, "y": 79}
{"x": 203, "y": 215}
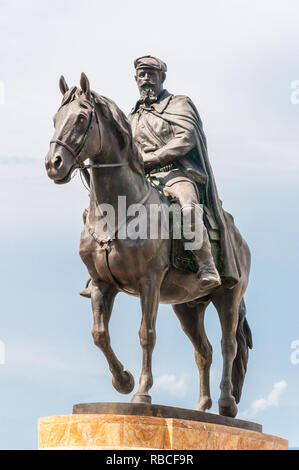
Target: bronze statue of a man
{"x": 168, "y": 133}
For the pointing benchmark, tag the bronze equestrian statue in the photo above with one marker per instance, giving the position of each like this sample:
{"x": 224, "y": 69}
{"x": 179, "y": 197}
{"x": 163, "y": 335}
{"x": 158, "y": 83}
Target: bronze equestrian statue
{"x": 163, "y": 146}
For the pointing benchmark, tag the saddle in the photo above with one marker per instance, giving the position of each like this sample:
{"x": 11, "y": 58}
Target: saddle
{"x": 179, "y": 257}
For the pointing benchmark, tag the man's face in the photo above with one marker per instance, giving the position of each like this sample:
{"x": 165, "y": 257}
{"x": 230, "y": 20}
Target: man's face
{"x": 150, "y": 84}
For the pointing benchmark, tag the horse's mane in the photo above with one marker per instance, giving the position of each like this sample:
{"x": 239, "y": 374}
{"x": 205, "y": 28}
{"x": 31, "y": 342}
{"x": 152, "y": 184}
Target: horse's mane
{"x": 117, "y": 119}
{"x": 122, "y": 128}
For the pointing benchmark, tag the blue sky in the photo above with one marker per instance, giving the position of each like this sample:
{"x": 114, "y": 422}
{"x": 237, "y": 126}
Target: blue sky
{"x": 236, "y": 60}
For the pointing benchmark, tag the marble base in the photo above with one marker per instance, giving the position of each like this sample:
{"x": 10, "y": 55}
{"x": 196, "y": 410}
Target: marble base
{"x": 120, "y": 432}
{"x": 162, "y": 411}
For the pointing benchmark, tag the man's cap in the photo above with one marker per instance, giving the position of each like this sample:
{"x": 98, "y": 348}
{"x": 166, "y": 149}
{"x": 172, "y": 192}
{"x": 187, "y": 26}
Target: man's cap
{"x": 150, "y": 62}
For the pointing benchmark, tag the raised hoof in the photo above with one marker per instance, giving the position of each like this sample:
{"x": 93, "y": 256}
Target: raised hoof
{"x": 126, "y": 384}
{"x": 141, "y": 398}
{"x": 228, "y": 408}
{"x": 205, "y": 403}
{"x": 86, "y": 293}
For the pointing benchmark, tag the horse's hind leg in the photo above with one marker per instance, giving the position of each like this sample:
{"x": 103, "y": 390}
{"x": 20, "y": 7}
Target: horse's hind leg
{"x": 227, "y": 306}
{"x": 102, "y": 299}
{"x": 192, "y": 322}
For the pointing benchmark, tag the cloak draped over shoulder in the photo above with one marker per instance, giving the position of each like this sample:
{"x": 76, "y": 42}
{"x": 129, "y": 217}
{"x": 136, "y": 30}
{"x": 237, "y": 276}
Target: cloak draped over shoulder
{"x": 180, "y": 113}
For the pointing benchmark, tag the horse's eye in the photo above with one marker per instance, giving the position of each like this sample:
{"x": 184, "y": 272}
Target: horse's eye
{"x": 81, "y": 119}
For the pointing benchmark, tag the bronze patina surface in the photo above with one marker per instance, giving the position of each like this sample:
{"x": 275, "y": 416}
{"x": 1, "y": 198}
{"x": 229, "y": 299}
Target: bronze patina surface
{"x": 90, "y": 127}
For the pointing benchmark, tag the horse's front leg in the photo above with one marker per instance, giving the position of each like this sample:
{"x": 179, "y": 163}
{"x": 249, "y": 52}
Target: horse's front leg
{"x": 102, "y": 298}
{"x": 149, "y": 296}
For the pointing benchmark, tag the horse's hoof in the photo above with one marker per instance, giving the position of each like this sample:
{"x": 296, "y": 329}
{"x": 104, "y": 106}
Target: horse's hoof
{"x": 228, "y": 407}
{"x": 126, "y": 384}
{"x": 141, "y": 398}
{"x": 205, "y": 403}
{"x": 86, "y": 293}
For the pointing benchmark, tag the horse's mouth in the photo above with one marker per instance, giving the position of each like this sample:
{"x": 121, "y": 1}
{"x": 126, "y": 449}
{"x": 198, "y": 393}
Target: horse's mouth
{"x": 67, "y": 178}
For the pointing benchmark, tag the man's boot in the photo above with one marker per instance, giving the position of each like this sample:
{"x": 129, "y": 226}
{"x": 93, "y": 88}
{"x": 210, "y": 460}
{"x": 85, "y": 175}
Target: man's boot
{"x": 87, "y": 291}
{"x": 207, "y": 273}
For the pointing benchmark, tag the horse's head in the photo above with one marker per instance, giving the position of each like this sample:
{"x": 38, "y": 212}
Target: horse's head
{"x": 77, "y": 132}
{"x": 88, "y": 125}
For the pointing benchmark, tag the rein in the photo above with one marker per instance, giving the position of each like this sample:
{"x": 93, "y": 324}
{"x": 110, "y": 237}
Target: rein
{"x": 104, "y": 244}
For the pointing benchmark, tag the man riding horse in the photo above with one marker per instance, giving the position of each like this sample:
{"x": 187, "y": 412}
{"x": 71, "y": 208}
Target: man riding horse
{"x": 168, "y": 133}
{"x": 169, "y": 136}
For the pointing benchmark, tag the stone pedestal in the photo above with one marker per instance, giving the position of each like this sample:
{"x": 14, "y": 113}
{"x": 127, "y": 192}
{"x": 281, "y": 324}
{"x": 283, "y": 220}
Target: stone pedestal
{"x": 128, "y": 430}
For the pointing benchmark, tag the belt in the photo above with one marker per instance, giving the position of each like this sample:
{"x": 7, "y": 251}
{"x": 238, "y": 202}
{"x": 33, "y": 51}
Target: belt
{"x": 170, "y": 166}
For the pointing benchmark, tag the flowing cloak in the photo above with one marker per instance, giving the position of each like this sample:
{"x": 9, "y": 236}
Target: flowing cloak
{"x": 180, "y": 111}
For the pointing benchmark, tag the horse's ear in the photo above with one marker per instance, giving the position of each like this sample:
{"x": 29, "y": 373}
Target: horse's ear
{"x": 85, "y": 86}
{"x": 63, "y": 85}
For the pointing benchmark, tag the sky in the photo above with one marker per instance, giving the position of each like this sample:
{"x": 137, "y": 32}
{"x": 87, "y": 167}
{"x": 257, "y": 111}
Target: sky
{"x": 237, "y": 61}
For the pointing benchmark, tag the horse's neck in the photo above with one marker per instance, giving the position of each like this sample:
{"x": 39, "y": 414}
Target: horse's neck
{"x": 108, "y": 183}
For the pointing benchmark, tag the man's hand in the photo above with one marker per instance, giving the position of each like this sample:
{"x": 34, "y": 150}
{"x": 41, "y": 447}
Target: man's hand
{"x": 150, "y": 162}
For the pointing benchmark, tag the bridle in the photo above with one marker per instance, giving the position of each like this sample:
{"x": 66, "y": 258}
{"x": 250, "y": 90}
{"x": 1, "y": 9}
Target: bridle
{"x": 104, "y": 244}
{"x": 76, "y": 152}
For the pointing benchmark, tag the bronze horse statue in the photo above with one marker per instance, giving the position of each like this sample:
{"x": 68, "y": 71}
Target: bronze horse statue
{"x": 90, "y": 126}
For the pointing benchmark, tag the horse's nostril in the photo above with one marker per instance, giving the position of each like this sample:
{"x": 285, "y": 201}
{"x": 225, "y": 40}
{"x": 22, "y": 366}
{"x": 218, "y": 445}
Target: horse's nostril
{"x": 57, "y": 162}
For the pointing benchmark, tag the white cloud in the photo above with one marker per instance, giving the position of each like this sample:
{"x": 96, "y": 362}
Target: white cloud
{"x": 261, "y": 404}
{"x": 172, "y": 384}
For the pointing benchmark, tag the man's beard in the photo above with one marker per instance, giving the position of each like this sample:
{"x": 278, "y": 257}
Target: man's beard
{"x": 148, "y": 94}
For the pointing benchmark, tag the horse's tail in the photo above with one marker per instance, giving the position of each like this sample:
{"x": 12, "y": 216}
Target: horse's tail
{"x": 244, "y": 342}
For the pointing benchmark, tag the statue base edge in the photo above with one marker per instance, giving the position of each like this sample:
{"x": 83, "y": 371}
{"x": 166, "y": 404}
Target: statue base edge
{"x": 162, "y": 411}
{"x": 108, "y": 431}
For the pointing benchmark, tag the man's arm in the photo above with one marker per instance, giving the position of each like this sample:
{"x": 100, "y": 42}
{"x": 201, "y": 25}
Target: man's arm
{"x": 178, "y": 146}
